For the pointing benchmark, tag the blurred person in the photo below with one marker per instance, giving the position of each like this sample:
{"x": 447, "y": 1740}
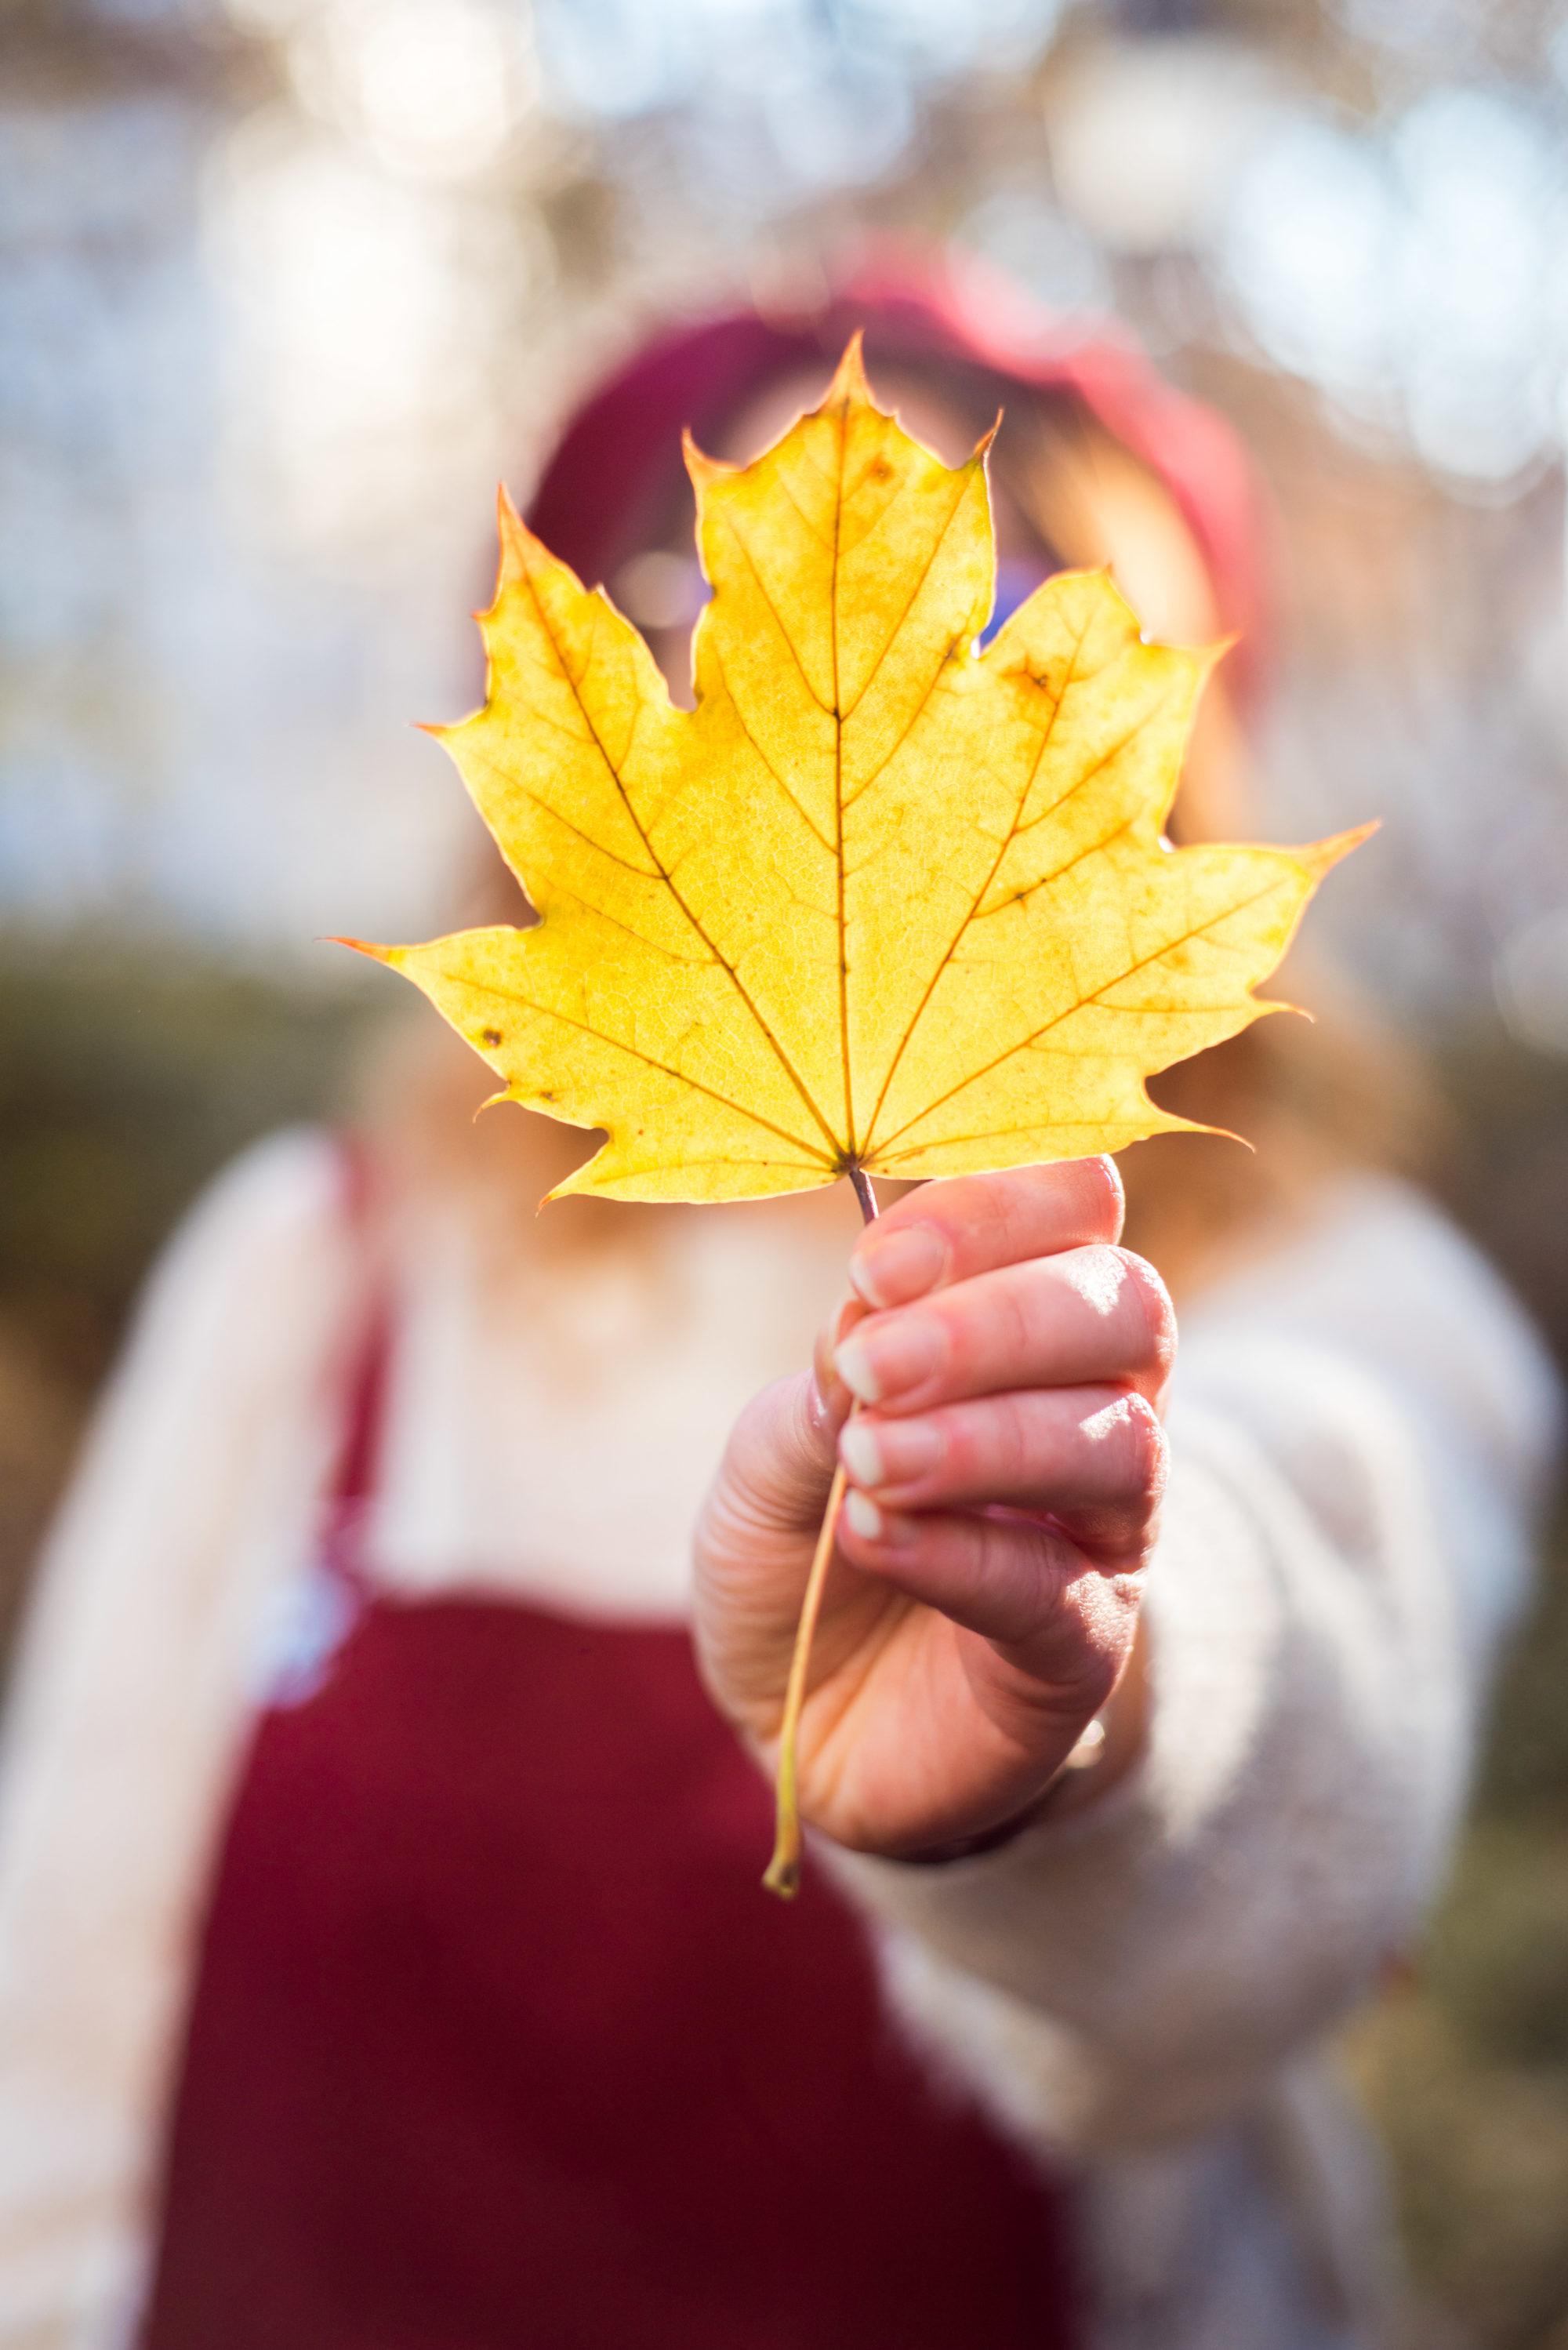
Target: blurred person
{"x": 381, "y": 1955}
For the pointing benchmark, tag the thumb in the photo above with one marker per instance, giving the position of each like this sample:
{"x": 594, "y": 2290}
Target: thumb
{"x": 778, "y": 1464}
{"x": 754, "y": 1540}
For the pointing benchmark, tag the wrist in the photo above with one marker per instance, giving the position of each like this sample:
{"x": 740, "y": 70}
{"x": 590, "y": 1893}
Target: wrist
{"x": 1085, "y": 1756}
{"x": 1108, "y": 1748}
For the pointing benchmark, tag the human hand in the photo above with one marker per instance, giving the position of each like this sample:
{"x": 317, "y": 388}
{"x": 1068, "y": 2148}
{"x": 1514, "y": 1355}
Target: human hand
{"x": 1005, "y": 1467}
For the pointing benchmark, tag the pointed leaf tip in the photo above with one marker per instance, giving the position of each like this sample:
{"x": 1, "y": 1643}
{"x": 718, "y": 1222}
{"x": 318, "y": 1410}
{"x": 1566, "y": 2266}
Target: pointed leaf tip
{"x": 391, "y": 956}
{"x": 703, "y": 469}
{"x": 849, "y": 385}
{"x": 516, "y": 538}
{"x": 1320, "y": 857}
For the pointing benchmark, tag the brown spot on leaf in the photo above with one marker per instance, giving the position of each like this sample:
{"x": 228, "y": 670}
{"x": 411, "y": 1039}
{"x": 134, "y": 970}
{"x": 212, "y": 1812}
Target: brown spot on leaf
{"x": 491, "y": 1035}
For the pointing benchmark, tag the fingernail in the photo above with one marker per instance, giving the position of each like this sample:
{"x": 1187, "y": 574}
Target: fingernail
{"x": 862, "y": 1516}
{"x": 872, "y": 1525}
{"x": 861, "y": 1454}
{"x": 889, "y": 1269}
{"x": 879, "y": 1362}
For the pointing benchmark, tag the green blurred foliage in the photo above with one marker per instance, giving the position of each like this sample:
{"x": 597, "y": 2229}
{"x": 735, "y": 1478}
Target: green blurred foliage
{"x": 1465, "y": 2066}
{"x": 1473, "y": 2076}
{"x": 127, "y": 1077}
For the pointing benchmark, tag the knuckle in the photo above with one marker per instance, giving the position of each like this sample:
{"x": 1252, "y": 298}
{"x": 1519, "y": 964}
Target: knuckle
{"x": 991, "y": 1321}
{"x": 1013, "y": 1445}
{"x": 1016, "y": 1216}
{"x": 1148, "y": 1453}
{"x": 1098, "y": 1273}
{"x": 1143, "y": 1284}
{"x": 965, "y": 1453}
{"x": 1071, "y": 1203}
{"x": 1103, "y": 1200}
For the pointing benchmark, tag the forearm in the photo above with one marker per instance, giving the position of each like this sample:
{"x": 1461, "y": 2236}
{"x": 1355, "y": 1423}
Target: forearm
{"x": 1147, "y": 1952}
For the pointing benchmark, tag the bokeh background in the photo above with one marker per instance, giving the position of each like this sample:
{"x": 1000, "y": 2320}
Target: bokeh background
{"x": 286, "y": 285}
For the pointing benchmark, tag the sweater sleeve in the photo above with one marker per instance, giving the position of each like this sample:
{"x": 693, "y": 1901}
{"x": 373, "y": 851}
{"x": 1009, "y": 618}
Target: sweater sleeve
{"x": 196, "y": 1494}
{"x": 1359, "y": 1438}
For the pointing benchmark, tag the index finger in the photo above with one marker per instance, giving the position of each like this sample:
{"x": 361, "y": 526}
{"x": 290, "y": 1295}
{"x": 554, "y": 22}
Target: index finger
{"x": 947, "y": 1232}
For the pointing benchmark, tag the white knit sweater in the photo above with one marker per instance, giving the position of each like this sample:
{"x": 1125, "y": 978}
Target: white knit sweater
{"x": 1360, "y": 1432}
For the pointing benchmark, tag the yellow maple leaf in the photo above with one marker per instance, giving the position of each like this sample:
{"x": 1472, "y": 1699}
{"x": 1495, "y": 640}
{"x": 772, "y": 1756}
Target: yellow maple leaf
{"x": 881, "y": 902}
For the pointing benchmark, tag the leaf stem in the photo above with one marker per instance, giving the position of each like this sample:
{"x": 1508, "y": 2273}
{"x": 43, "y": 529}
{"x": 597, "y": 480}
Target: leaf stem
{"x": 782, "y": 1874}
{"x": 869, "y": 1211}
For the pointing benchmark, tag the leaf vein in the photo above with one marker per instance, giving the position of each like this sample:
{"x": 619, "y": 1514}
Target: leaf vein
{"x": 950, "y": 949}
{"x": 896, "y": 632}
{"x": 1117, "y": 980}
{"x": 679, "y": 1076}
{"x": 789, "y": 643}
{"x": 817, "y": 834}
{"x": 722, "y": 961}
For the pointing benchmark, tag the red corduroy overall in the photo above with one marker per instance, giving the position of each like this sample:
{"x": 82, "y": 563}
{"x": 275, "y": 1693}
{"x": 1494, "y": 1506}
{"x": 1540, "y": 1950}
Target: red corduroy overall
{"x": 497, "y": 2043}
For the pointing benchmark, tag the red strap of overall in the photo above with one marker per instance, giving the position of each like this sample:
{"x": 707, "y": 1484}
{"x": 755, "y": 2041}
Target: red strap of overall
{"x": 352, "y": 1489}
